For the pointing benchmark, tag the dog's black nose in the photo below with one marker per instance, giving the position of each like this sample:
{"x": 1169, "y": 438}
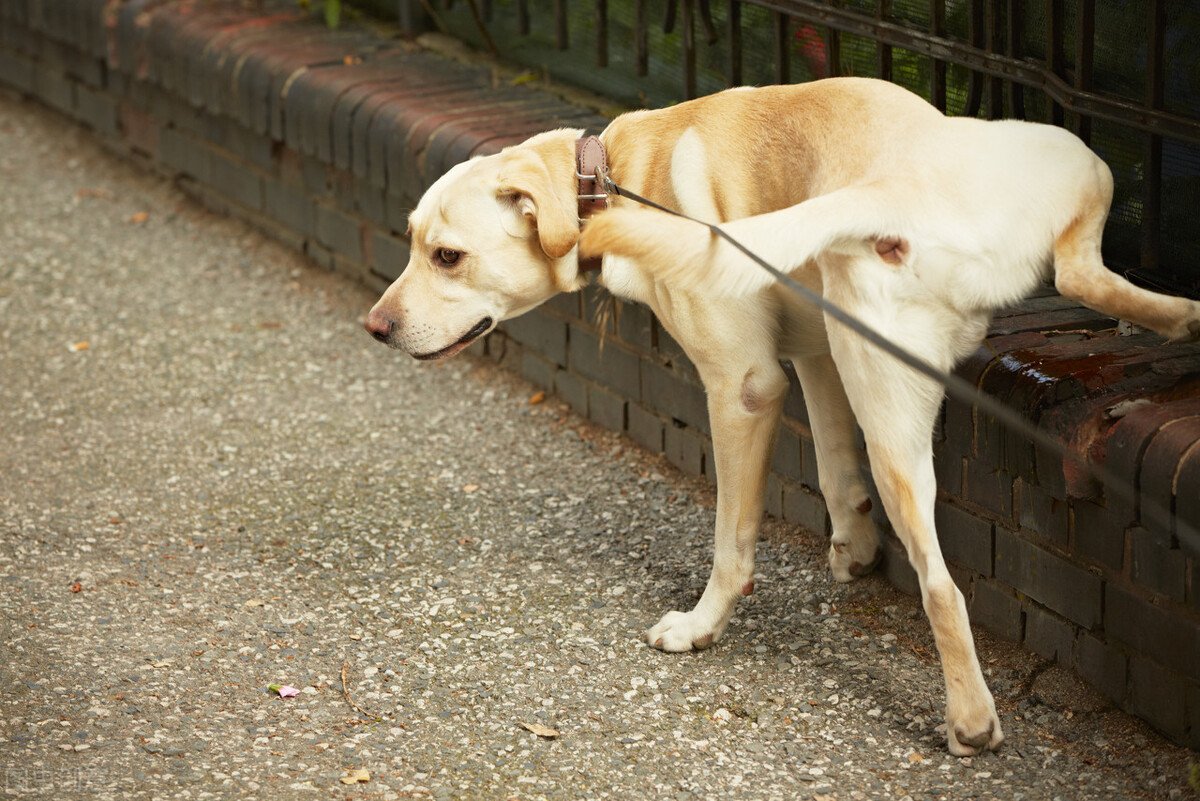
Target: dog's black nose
{"x": 378, "y": 325}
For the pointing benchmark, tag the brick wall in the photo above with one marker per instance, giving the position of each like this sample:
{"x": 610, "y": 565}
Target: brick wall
{"x": 325, "y": 140}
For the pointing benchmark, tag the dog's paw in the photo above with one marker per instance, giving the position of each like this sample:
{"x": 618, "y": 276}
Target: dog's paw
{"x": 855, "y": 556}
{"x": 972, "y": 733}
{"x": 681, "y": 631}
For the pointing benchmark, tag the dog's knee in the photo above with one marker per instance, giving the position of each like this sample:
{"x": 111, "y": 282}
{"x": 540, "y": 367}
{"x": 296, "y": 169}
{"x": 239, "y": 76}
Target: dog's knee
{"x": 760, "y": 392}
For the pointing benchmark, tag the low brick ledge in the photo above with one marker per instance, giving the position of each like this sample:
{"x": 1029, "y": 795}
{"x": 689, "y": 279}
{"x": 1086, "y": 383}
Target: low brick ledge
{"x": 326, "y": 139}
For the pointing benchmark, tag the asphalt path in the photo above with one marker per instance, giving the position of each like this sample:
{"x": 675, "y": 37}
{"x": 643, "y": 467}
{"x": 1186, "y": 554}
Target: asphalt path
{"x": 212, "y": 482}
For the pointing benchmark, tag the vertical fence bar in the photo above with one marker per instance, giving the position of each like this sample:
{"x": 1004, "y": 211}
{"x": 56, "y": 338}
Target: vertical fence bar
{"x": 735, "y": 43}
{"x": 1055, "y": 30}
{"x": 1152, "y": 199}
{"x": 975, "y": 32}
{"x": 562, "y": 39}
{"x": 883, "y": 53}
{"x": 523, "y": 26}
{"x": 689, "y": 48}
{"x": 641, "y": 48}
{"x": 783, "y": 48}
{"x": 937, "y": 72}
{"x": 833, "y": 50}
{"x": 995, "y": 86}
{"x": 1016, "y": 49}
{"x": 601, "y": 33}
{"x": 1085, "y": 47}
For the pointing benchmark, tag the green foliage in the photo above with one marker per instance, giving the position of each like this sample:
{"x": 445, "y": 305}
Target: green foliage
{"x": 333, "y": 13}
{"x": 1194, "y": 777}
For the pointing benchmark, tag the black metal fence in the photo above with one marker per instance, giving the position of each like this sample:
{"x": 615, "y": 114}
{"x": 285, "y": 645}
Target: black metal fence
{"x": 1122, "y": 74}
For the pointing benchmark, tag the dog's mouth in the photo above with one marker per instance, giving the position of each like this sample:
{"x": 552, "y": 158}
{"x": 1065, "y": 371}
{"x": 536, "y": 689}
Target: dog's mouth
{"x": 476, "y": 331}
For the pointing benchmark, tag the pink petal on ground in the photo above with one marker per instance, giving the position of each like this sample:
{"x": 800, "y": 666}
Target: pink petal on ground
{"x": 287, "y": 691}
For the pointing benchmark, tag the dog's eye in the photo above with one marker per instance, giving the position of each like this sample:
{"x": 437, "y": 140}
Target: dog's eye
{"x": 448, "y": 258}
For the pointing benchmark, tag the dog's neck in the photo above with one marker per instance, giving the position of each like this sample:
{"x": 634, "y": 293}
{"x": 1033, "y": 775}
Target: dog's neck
{"x": 590, "y": 156}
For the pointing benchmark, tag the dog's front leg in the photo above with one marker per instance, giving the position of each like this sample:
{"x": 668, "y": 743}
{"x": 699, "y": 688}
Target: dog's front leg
{"x": 744, "y": 408}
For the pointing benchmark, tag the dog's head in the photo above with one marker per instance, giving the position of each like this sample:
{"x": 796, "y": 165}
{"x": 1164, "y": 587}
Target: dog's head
{"x": 491, "y": 239}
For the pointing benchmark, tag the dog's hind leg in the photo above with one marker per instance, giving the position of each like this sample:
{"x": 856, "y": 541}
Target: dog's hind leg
{"x": 1080, "y": 274}
{"x": 854, "y": 548}
{"x": 896, "y": 408}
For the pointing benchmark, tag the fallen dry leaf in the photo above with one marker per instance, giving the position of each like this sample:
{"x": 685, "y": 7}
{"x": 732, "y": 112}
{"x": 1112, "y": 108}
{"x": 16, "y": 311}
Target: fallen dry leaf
{"x": 355, "y": 776}
{"x": 914, "y": 757}
{"x": 76, "y": 587}
{"x": 163, "y": 663}
{"x": 470, "y": 488}
{"x": 538, "y": 397}
{"x": 75, "y": 347}
{"x": 140, "y": 217}
{"x": 255, "y": 602}
{"x": 540, "y": 730}
{"x": 93, "y": 193}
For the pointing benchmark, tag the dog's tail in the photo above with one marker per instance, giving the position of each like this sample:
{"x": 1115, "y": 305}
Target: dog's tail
{"x": 688, "y": 256}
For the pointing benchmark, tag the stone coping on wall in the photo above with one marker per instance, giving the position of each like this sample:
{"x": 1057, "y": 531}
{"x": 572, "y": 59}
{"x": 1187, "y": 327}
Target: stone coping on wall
{"x": 326, "y": 139}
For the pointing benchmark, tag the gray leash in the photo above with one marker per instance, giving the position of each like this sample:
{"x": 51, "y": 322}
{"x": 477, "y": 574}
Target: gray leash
{"x": 956, "y": 387}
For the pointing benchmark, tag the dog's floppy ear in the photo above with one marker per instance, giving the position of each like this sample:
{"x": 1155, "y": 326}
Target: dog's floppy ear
{"x": 544, "y": 196}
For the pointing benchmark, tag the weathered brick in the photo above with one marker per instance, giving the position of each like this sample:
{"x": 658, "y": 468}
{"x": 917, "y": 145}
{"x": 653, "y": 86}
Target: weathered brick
{"x": 684, "y": 449}
{"x": 1102, "y": 666}
{"x": 389, "y": 254}
{"x": 645, "y": 427}
{"x": 965, "y": 538}
{"x": 606, "y": 408}
{"x": 786, "y": 460}
{"x": 990, "y": 487}
{"x": 319, "y": 254}
{"x": 674, "y": 396}
{"x": 565, "y": 302}
{"x": 997, "y": 610}
{"x": 1048, "y": 635}
{"x": 235, "y": 181}
{"x": 1159, "y": 478}
{"x": 183, "y": 154}
{"x": 1044, "y": 514}
{"x": 1156, "y": 566}
{"x": 341, "y": 233}
{"x": 572, "y": 389}
{"x": 290, "y": 206}
{"x": 773, "y": 497}
{"x": 541, "y": 332}
{"x": 17, "y": 72}
{"x": 1163, "y": 634}
{"x": 1158, "y": 695}
{"x": 808, "y": 453}
{"x": 97, "y": 109}
{"x": 537, "y": 370}
{"x": 55, "y": 89}
{"x": 634, "y": 324}
{"x": 608, "y": 363}
{"x": 140, "y": 130}
{"x": 896, "y": 566}
{"x": 1048, "y": 579}
{"x": 1098, "y": 536}
{"x": 806, "y": 508}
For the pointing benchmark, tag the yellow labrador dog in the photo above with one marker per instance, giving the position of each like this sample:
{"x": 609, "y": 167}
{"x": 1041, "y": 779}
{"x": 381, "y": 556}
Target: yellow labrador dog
{"x": 919, "y": 223}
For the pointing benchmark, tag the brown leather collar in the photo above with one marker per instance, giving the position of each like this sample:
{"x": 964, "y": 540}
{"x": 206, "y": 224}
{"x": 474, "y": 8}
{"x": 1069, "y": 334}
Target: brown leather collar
{"x": 590, "y": 156}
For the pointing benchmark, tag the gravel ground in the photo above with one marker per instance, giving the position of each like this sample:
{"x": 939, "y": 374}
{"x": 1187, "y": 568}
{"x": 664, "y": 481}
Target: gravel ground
{"x": 213, "y": 481}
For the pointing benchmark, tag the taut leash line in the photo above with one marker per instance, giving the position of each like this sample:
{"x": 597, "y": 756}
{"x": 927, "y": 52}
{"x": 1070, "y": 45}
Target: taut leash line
{"x": 956, "y": 387}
